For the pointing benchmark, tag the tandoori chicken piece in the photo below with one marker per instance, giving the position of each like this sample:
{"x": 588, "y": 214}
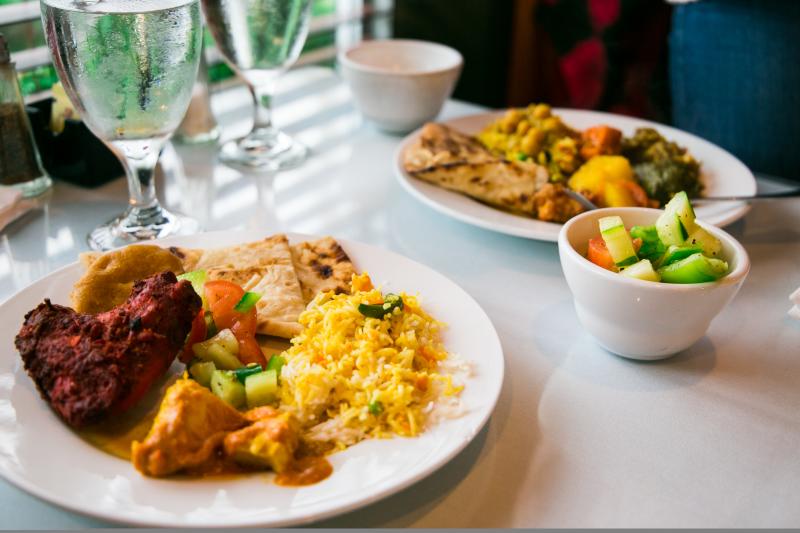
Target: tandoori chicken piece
{"x": 187, "y": 432}
{"x": 90, "y": 366}
{"x": 270, "y": 442}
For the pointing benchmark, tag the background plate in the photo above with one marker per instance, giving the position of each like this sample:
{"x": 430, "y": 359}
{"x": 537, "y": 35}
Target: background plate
{"x": 41, "y": 455}
{"x": 721, "y": 173}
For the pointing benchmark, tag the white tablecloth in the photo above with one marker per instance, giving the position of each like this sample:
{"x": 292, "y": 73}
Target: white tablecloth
{"x": 580, "y": 438}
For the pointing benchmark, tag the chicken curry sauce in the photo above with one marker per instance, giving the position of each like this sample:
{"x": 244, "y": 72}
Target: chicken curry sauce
{"x": 194, "y": 433}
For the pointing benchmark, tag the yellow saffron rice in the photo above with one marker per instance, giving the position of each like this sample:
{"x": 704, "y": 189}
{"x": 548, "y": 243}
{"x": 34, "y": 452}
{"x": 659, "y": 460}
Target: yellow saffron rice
{"x": 350, "y": 377}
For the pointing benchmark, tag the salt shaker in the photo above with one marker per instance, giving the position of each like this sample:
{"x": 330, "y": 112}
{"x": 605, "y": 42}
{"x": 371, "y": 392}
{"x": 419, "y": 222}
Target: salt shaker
{"x": 20, "y": 165}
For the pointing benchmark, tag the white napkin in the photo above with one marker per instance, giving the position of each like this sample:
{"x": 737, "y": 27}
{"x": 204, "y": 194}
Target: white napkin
{"x": 12, "y": 205}
{"x": 794, "y": 312}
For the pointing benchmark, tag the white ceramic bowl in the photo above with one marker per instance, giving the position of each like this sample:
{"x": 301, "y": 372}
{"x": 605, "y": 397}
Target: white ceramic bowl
{"x": 400, "y": 84}
{"x": 642, "y": 319}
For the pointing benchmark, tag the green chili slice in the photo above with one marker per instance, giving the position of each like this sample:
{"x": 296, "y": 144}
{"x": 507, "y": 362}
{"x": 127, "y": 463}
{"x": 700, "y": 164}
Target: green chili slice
{"x": 242, "y": 373}
{"x": 390, "y": 303}
{"x": 275, "y": 363}
{"x": 247, "y": 302}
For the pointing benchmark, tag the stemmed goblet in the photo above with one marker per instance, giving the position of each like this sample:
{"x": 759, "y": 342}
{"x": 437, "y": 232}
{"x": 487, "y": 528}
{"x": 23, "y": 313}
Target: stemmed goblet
{"x": 129, "y": 67}
{"x": 260, "y": 39}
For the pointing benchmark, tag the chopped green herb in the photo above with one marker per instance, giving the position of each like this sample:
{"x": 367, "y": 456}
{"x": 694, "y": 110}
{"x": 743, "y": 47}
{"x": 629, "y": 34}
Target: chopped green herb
{"x": 390, "y": 303}
{"x": 375, "y": 407}
{"x": 247, "y": 302}
{"x": 242, "y": 373}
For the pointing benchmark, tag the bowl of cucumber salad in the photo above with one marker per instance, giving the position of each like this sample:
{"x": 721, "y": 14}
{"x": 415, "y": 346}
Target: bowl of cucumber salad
{"x": 647, "y": 282}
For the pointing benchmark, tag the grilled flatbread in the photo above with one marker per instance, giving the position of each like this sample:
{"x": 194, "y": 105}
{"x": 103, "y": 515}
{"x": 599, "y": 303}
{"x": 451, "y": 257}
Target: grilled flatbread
{"x": 322, "y": 266}
{"x": 286, "y": 277}
{"x": 460, "y": 163}
{"x": 508, "y": 185}
{"x": 450, "y": 159}
{"x": 440, "y": 145}
{"x": 281, "y": 300}
{"x": 264, "y": 267}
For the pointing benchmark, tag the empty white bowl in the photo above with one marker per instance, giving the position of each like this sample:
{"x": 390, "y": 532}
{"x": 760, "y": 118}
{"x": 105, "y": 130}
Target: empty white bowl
{"x": 400, "y": 84}
{"x": 643, "y": 319}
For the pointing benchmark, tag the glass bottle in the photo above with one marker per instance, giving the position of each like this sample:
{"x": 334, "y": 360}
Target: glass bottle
{"x": 199, "y": 125}
{"x": 20, "y": 165}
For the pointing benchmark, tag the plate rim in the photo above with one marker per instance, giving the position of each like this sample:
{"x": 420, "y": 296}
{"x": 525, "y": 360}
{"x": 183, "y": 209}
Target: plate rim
{"x": 328, "y": 510}
{"x": 736, "y": 211}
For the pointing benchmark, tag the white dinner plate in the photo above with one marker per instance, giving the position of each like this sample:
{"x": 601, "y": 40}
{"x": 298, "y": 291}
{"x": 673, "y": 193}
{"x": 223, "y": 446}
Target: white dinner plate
{"x": 721, "y": 173}
{"x": 42, "y": 456}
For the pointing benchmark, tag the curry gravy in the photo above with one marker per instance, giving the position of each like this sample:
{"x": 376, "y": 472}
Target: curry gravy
{"x": 116, "y": 435}
{"x": 306, "y": 471}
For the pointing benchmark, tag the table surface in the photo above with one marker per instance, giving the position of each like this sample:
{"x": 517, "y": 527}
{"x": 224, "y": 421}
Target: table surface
{"x": 580, "y": 438}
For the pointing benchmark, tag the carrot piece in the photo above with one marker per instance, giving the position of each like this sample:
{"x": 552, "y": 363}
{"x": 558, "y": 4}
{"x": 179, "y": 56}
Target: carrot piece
{"x": 601, "y": 140}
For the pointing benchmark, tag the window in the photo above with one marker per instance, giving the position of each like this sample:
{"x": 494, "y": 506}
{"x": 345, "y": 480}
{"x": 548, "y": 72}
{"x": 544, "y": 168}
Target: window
{"x": 334, "y": 24}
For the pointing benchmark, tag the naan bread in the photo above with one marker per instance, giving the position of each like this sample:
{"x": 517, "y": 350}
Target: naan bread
{"x": 452, "y": 160}
{"x": 109, "y": 277}
{"x": 438, "y": 144}
{"x": 264, "y": 267}
{"x": 460, "y": 163}
{"x": 188, "y": 257}
{"x": 286, "y": 277}
{"x": 322, "y": 266}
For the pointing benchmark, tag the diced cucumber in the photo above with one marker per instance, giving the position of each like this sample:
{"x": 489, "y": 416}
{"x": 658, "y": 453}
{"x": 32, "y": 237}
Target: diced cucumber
{"x": 242, "y": 373}
{"x": 676, "y": 253}
{"x": 225, "y": 385}
{"x": 618, "y": 241}
{"x": 227, "y": 340}
{"x": 198, "y": 280}
{"x": 261, "y": 388}
{"x": 276, "y": 363}
{"x": 652, "y": 248}
{"x": 201, "y": 371}
{"x": 680, "y": 205}
{"x": 696, "y": 268}
{"x": 223, "y": 358}
{"x": 701, "y": 238}
{"x": 642, "y": 270}
{"x": 670, "y": 230}
{"x": 220, "y": 349}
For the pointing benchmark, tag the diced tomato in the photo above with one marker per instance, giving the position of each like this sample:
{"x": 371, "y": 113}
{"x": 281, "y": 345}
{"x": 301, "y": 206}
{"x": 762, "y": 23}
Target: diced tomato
{"x": 244, "y": 329}
{"x": 250, "y": 352}
{"x": 197, "y": 334}
{"x": 222, "y": 297}
{"x": 599, "y": 255}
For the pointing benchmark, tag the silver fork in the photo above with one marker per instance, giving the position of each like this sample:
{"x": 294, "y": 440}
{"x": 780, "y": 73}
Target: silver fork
{"x": 792, "y": 193}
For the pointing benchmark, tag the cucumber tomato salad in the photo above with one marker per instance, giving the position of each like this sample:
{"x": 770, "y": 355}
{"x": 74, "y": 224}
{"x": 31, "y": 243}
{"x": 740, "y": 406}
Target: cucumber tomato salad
{"x": 674, "y": 250}
{"x": 222, "y": 352}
